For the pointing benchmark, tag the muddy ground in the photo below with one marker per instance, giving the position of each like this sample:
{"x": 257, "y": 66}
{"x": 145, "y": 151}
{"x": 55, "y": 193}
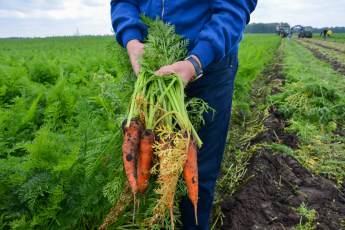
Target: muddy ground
{"x": 277, "y": 185}
{"x": 275, "y": 125}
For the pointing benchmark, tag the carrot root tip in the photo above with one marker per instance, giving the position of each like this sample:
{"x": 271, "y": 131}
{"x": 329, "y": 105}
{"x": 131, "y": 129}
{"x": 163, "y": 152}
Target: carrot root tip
{"x": 196, "y": 214}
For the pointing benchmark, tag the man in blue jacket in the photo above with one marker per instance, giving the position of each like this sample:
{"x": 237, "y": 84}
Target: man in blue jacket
{"x": 214, "y": 29}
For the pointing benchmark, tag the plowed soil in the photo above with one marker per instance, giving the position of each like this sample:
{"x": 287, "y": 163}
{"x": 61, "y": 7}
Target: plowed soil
{"x": 277, "y": 185}
{"x": 275, "y": 125}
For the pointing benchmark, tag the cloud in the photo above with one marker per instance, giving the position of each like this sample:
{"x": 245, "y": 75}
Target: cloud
{"x": 29, "y": 5}
{"x": 92, "y": 2}
{"x": 52, "y": 27}
{"x": 317, "y": 13}
{"x": 56, "y": 9}
{"x": 45, "y": 18}
{"x": 63, "y": 17}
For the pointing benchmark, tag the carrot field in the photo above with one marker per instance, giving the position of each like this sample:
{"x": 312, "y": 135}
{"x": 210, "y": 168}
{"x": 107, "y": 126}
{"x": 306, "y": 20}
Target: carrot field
{"x": 63, "y": 101}
{"x": 337, "y": 37}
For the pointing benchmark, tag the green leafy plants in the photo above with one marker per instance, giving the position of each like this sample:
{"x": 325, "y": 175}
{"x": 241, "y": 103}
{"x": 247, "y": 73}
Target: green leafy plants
{"x": 59, "y": 131}
{"x": 313, "y": 103}
{"x": 60, "y": 126}
{"x": 309, "y": 216}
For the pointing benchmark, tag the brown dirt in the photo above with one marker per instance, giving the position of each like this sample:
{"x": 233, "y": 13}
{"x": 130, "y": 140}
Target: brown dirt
{"x": 340, "y": 131}
{"x": 337, "y": 66}
{"x": 275, "y": 186}
{"x": 275, "y": 125}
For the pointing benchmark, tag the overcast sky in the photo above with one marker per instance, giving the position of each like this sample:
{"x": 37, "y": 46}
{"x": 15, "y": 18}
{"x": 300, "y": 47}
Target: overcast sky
{"x": 31, "y": 18}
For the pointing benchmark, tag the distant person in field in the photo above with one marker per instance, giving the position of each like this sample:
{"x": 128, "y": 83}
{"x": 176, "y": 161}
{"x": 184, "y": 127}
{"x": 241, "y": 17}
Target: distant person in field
{"x": 325, "y": 34}
{"x": 214, "y": 30}
{"x": 329, "y": 33}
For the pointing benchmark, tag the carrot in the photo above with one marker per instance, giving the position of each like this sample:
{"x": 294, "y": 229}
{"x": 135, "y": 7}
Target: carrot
{"x": 130, "y": 150}
{"x": 145, "y": 160}
{"x": 190, "y": 175}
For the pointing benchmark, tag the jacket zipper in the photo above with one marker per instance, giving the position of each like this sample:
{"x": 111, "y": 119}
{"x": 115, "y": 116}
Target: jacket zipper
{"x": 163, "y": 9}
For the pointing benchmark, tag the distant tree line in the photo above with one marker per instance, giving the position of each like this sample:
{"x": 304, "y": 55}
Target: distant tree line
{"x": 261, "y": 28}
{"x": 271, "y": 28}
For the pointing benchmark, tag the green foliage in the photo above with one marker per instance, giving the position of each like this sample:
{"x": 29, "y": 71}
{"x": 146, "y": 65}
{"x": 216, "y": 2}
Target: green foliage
{"x": 282, "y": 149}
{"x": 60, "y": 118}
{"x": 256, "y": 51}
{"x": 196, "y": 108}
{"x": 309, "y": 217}
{"x": 62, "y": 104}
{"x": 336, "y": 37}
{"x": 43, "y": 71}
{"x": 313, "y": 101}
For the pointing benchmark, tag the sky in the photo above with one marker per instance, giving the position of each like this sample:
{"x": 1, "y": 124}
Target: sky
{"x": 40, "y": 18}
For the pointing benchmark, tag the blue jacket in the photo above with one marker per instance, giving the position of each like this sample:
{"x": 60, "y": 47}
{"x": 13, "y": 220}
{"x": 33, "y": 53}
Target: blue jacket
{"x": 213, "y": 27}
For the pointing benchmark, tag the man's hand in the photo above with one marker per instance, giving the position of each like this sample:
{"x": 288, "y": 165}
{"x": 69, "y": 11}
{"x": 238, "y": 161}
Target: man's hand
{"x": 184, "y": 69}
{"x": 135, "y": 50}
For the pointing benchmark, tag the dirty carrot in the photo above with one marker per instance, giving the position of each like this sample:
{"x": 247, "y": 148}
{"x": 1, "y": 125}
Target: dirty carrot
{"x": 130, "y": 150}
{"x": 190, "y": 175}
{"x": 145, "y": 160}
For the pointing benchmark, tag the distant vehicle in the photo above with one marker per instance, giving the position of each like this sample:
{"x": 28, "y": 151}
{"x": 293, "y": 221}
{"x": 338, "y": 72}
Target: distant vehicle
{"x": 306, "y": 32}
{"x": 303, "y": 32}
{"x": 283, "y": 30}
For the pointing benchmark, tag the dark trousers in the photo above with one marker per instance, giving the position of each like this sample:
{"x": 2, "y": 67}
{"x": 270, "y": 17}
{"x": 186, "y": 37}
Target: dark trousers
{"x": 216, "y": 88}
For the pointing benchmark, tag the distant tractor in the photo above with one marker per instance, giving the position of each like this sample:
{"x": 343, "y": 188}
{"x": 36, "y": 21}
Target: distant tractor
{"x": 307, "y": 32}
{"x": 283, "y": 30}
{"x": 303, "y": 32}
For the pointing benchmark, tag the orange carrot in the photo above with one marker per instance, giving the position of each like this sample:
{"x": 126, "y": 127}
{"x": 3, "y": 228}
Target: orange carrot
{"x": 190, "y": 175}
{"x": 130, "y": 150}
{"x": 145, "y": 160}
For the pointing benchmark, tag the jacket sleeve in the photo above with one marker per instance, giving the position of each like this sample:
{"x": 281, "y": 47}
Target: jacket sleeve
{"x": 224, "y": 29}
{"x": 126, "y": 21}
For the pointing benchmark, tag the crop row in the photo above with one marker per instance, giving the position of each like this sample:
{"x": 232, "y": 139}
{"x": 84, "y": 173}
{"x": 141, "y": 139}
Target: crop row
{"x": 328, "y": 44}
{"x": 332, "y": 54}
{"x": 313, "y": 101}
{"x": 62, "y": 104}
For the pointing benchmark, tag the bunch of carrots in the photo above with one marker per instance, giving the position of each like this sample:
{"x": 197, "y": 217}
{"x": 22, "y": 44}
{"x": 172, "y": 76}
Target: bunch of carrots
{"x": 159, "y": 137}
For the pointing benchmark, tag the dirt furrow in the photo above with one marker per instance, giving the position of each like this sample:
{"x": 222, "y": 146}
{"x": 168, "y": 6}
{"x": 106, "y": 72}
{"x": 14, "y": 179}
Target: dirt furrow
{"x": 276, "y": 185}
{"x": 325, "y": 46}
{"x": 337, "y": 66}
